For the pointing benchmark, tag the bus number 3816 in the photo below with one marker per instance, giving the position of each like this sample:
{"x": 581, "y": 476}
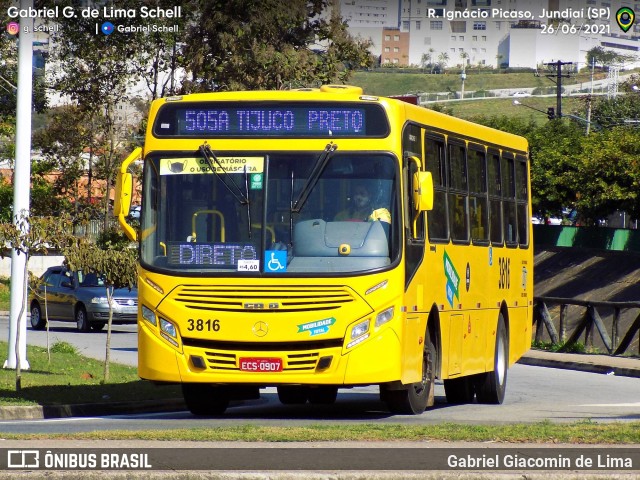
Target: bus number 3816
{"x": 200, "y": 325}
{"x": 504, "y": 281}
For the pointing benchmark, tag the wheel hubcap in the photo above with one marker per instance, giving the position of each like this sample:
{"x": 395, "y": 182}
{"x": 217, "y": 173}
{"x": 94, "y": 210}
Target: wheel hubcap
{"x": 500, "y": 361}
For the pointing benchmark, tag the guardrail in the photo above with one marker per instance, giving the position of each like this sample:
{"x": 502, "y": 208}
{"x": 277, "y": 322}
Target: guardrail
{"x": 591, "y": 321}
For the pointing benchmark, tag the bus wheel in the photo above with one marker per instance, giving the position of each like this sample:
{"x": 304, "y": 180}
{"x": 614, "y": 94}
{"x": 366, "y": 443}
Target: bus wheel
{"x": 491, "y": 386}
{"x": 323, "y": 395}
{"x": 204, "y": 399}
{"x": 459, "y": 390}
{"x": 293, "y": 394}
{"x": 417, "y": 397}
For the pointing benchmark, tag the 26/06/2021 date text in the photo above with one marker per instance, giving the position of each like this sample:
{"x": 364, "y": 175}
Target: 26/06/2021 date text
{"x": 573, "y": 29}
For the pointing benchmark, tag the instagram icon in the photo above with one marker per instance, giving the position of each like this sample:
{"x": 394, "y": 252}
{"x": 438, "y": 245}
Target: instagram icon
{"x": 13, "y": 28}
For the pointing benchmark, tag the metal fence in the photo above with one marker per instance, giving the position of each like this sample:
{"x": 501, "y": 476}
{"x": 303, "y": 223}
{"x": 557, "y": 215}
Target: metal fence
{"x": 93, "y": 228}
{"x": 589, "y": 322}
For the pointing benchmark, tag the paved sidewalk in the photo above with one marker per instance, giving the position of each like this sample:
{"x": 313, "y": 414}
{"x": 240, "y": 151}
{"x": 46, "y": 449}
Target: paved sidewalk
{"x": 604, "y": 364}
{"x": 599, "y": 364}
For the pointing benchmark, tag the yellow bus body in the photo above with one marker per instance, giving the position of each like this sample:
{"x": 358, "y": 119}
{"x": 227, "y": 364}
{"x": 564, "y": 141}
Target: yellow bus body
{"x": 464, "y": 287}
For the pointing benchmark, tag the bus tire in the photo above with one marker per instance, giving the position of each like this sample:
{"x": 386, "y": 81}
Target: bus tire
{"x": 293, "y": 394}
{"x": 459, "y": 390}
{"x": 415, "y": 399}
{"x": 491, "y": 386}
{"x": 323, "y": 395}
{"x": 203, "y": 399}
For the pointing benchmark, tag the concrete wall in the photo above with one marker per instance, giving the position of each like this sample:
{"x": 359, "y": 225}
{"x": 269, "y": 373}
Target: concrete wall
{"x": 37, "y": 264}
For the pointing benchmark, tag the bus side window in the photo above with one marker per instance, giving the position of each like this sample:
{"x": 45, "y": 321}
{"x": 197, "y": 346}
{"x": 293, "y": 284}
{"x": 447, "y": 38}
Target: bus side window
{"x": 478, "y": 209}
{"x": 522, "y": 200}
{"x": 509, "y": 200}
{"x": 435, "y": 163}
{"x": 458, "y": 192}
{"x": 495, "y": 198}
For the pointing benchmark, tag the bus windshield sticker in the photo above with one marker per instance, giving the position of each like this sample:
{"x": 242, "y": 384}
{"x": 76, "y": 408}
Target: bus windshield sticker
{"x": 275, "y": 261}
{"x": 197, "y": 166}
{"x": 316, "y": 328}
{"x": 256, "y": 181}
{"x": 248, "y": 265}
{"x": 453, "y": 279}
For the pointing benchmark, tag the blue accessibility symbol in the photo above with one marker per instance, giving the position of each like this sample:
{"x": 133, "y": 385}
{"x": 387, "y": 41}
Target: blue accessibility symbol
{"x": 275, "y": 261}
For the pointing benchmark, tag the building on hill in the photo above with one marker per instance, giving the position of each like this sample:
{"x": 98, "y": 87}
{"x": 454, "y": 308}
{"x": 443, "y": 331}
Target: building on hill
{"x": 494, "y": 33}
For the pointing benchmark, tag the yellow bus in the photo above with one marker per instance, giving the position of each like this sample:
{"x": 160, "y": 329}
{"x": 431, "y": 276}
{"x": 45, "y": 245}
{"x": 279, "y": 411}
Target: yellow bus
{"x": 321, "y": 239}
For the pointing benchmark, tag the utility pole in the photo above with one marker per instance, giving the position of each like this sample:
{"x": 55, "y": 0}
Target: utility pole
{"x": 558, "y": 80}
{"x": 17, "y": 349}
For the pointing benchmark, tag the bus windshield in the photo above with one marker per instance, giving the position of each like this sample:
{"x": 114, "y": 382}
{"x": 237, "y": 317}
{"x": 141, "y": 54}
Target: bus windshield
{"x": 238, "y": 213}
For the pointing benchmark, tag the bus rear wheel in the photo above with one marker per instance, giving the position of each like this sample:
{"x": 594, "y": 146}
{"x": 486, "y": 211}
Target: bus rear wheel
{"x": 491, "y": 386}
{"x": 203, "y": 399}
{"x": 415, "y": 399}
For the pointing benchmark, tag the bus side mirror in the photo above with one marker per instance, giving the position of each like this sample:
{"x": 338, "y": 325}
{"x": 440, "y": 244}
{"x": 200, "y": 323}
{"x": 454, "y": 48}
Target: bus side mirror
{"x": 124, "y": 185}
{"x": 422, "y": 191}
{"x": 124, "y": 191}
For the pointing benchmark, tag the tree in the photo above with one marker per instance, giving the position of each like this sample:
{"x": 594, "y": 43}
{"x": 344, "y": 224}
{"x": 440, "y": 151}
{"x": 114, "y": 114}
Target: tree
{"x": 29, "y": 235}
{"x": 443, "y": 59}
{"x": 245, "y": 44}
{"x": 160, "y": 57}
{"x": 96, "y": 71}
{"x": 427, "y": 59}
{"x": 608, "y": 175}
{"x": 599, "y": 56}
{"x": 61, "y": 144}
{"x": 117, "y": 267}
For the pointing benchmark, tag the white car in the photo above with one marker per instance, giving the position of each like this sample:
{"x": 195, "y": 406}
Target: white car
{"x": 521, "y": 94}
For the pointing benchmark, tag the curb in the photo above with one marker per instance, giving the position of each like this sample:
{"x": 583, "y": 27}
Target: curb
{"x": 581, "y": 366}
{"x": 89, "y": 409}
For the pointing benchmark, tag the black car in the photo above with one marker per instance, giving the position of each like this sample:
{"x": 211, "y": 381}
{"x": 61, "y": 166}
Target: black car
{"x": 80, "y": 298}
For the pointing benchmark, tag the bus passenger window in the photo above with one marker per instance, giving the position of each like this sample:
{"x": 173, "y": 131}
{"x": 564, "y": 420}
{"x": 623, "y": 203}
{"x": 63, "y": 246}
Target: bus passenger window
{"x": 495, "y": 199}
{"x": 509, "y": 200}
{"x": 478, "y": 210}
{"x": 522, "y": 199}
{"x": 458, "y": 195}
{"x": 435, "y": 163}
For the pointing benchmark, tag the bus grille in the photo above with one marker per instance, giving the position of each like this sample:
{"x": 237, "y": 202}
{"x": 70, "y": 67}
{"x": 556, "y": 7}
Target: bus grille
{"x": 262, "y": 299}
{"x": 292, "y": 362}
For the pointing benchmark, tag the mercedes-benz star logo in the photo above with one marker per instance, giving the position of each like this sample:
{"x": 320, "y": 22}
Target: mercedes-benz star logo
{"x": 260, "y": 329}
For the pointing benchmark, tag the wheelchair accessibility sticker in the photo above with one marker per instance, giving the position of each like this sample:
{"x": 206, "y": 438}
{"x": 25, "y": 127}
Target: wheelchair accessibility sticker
{"x": 275, "y": 261}
{"x": 316, "y": 328}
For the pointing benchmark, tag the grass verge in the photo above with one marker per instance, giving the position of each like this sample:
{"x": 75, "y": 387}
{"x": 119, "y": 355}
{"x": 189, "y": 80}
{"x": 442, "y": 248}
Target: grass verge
{"x": 70, "y": 378}
{"x": 585, "y": 432}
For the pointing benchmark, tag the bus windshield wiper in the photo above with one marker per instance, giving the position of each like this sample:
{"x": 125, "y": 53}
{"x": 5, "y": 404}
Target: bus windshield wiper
{"x": 235, "y": 190}
{"x": 321, "y": 162}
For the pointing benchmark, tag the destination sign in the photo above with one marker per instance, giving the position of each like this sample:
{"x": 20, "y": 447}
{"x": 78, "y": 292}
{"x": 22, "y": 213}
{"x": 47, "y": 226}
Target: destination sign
{"x": 223, "y": 119}
{"x": 220, "y": 255}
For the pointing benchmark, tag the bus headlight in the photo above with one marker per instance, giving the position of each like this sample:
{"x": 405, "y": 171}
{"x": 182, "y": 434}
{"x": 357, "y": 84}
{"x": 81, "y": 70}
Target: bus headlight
{"x": 149, "y": 316}
{"x": 168, "y": 332}
{"x": 384, "y": 317}
{"x": 167, "y": 327}
{"x": 360, "y": 329}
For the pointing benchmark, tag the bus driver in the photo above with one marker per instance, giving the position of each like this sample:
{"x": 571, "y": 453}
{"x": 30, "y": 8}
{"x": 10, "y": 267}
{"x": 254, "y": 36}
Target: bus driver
{"x": 362, "y": 208}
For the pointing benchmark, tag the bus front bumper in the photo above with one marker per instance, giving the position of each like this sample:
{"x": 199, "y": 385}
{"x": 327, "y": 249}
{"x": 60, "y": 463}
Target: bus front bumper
{"x": 375, "y": 360}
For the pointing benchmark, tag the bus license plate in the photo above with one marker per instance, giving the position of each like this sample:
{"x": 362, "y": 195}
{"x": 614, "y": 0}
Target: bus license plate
{"x": 261, "y": 364}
